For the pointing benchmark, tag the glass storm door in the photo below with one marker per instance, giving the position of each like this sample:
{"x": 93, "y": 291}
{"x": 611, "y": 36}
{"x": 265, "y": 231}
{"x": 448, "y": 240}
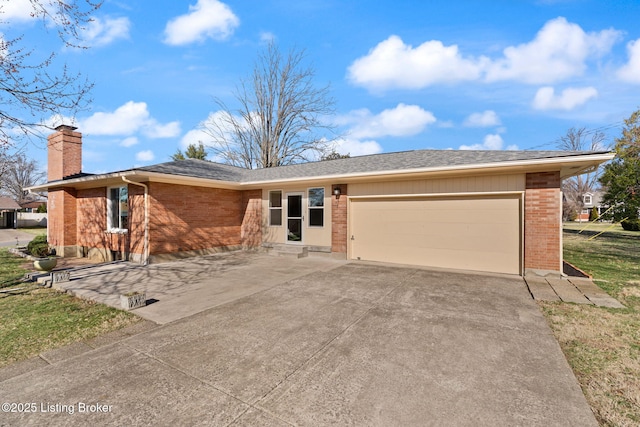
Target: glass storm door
{"x": 294, "y": 218}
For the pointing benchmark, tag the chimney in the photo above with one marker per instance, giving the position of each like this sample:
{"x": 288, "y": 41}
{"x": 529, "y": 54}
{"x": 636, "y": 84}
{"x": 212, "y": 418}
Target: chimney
{"x": 64, "y": 153}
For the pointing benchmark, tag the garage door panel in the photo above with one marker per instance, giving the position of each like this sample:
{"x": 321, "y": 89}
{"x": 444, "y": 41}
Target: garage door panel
{"x": 476, "y": 234}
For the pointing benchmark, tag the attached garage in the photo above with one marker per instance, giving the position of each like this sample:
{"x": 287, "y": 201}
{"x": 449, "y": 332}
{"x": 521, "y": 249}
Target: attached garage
{"x": 482, "y": 233}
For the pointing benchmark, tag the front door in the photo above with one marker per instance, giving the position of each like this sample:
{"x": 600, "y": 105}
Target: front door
{"x": 294, "y": 218}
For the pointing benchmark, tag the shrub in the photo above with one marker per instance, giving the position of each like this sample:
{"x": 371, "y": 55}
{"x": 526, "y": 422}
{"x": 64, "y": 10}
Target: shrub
{"x": 631, "y": 224}
{"x": 593, "y": 215}
{"x": 38, "y": 247}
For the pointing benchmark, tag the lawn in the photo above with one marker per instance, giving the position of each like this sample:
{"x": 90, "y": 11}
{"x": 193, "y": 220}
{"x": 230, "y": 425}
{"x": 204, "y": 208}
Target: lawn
{"x": 35, "y": 319}
{"x": 603, "y": 345}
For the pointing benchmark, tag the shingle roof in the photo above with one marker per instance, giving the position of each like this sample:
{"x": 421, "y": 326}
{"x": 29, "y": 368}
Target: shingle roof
{"x": 198, "y": 169}
{"x": 7, "y": 203}
{"x": 387, "y": 162}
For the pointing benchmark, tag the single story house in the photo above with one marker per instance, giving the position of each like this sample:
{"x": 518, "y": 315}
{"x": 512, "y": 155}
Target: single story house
{"x": 495, "y": 211}
{"x": 8, "y": 212}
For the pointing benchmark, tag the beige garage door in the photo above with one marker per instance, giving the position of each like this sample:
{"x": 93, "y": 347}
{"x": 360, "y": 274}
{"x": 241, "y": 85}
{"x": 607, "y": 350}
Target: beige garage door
{"x": 481, "y": 234}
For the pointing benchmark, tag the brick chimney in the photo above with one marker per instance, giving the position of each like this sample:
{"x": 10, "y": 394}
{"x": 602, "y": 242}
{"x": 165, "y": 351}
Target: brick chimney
{"x": 64, "y": 153}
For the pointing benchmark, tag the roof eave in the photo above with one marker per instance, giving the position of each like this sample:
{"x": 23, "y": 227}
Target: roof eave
{"x": 568, "y": 166}
{"x": 134, "y": 175}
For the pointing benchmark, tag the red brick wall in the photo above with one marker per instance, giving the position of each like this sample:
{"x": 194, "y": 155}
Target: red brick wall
{"x": 136, "y": 219}
{"x": 339, "y": 220}
{"x": 542, "y": 222}
{"x": 92, "y": 218}
{"x": 92, "y": 222}
{"x": 61, "y": 218}
{"x": 186, "y": 218}
{"x": 64, "y": 153}
{"x": 252, "y": 219}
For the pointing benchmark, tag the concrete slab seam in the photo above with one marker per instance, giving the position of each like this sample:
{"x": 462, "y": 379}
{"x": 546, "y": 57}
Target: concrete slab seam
{"x": 170, "y": 366}
{"x": 306, "y": 362}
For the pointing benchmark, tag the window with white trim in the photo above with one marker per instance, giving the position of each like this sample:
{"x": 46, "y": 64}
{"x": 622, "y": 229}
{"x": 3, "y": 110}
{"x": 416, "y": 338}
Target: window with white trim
{"x": 315, "y": 197}
{"x": 275, "y": 208}
{"x": 586, "y": 199}
{"x": 117, "y": 208}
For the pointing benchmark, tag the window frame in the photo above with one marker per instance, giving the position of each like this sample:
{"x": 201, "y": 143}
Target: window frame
{"x": 586, "y": 197}
{"x": 115, "y": 204}
{"x": 315, "y": 208}
{"x": 273, "y": 209}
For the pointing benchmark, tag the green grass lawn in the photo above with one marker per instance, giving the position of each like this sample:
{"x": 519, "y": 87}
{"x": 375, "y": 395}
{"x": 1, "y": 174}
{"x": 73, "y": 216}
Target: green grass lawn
{"x": 34, "y": 230}
{"x": 603, "y": 345}
{"x": 34, "y": 319}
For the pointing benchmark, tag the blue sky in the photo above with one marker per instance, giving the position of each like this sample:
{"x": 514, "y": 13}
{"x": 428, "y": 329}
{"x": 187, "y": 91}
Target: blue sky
{"x": 405, "y": 74}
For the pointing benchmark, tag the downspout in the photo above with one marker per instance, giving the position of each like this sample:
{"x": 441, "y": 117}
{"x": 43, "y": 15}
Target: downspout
{"x": 145, "y": 260}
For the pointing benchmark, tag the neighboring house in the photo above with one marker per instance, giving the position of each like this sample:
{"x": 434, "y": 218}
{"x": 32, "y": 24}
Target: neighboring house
{"x": 32, "y": 206}
{"x": 496, "y": 211}
{"x": 8, "y": 212}
{"x": 590, "y": 201}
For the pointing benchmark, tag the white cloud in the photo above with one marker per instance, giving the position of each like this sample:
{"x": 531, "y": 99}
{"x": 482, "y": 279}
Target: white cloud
{"x": 570, "y": 98}
{"x": 393, "y": 64}
{"x": 198, "y": 135}
{"x": 559, "y": 51}
{"x": 487, "y": 118}
{"x": 194, "y": 137}
{"x": 125, "y": 120}
{"x": 490, "y": 142}
{"x": 128, "y": 142}
{"x": 355, "y": 147}
{"x": 267, "y": 37}
{"x": 154, "y": 130}
{"x": 129, "y": 119}
{"x": 17, "y": 10}
{"x": 207, "y": 19}
{"x": 101, "y": 32}
{"x": 630, "y": 72}
{"x": 145, "y": 156}
{"x": 403, "y": 120}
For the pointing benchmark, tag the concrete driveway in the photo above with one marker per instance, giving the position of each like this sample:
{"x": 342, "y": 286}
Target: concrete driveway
{"x": 358, "y": 344}
{"x": 10, "y": 236}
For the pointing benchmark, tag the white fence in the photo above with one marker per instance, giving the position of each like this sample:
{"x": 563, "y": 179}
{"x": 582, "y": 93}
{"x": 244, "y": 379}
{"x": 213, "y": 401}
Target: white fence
{"x": 28, "y": 219}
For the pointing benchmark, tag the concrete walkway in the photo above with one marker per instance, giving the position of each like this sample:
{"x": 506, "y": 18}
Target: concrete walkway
{"x": 577, "y": 290}
{"x": 179, "y": 289}
{"x": 353, "y": 344}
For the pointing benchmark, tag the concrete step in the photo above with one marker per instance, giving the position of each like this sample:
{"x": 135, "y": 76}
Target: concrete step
{"x": 293, "y": 251}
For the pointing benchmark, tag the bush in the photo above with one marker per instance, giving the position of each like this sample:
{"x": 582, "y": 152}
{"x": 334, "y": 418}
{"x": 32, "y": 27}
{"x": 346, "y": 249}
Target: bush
{"x": 631, "y": 224}
{"x": 38, "y": 247}
{"x": 593, "y": 215}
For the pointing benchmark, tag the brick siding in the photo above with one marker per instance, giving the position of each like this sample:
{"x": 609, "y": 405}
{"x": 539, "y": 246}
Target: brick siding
{"x": 339, "y": 220}
{"x": 64, "y": 152}
{"x": 61, "y": 219}
{"x": 542, "y": 225}
{"x": 185, "y": 218}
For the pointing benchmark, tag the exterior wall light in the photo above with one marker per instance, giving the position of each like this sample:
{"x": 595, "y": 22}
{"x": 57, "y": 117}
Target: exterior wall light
{"x": 336, "y": 192}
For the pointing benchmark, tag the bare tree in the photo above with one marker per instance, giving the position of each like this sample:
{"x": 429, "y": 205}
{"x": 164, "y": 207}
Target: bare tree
{"x": 20, "y": 174}
{"x": 33, "y": 87}
{"x": 574, "y": 188}
{"x": 280, "y": 115}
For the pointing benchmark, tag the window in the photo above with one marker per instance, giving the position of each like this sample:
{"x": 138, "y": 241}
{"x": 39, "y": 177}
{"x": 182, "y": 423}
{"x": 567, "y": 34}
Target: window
{"x": 275, "y": 208}
{"x": 316, "y": 207}
{"x": 117, "y": 208}
{"x": 586, "y": 199}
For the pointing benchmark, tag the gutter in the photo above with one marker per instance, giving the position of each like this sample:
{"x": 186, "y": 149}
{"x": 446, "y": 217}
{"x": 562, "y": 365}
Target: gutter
{"x": 145, "y": 259}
